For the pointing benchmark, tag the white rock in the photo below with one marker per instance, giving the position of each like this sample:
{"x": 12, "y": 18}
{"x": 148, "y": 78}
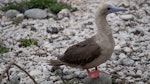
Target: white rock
{"x": 36, "y": 13}
{"x": 59, "y": 82}
{"x": 20, "y": 16}
{"x": 127, "y": 49}
{"x": 139, "y": 72}
{"x": 55, "y": 78}
{"x": 126, "y": 17}
{"x": 117, "y": 47}
{"x": 122, "y": 55}
{"x": 11, "y": 13}
{"x": 64, "y": 13}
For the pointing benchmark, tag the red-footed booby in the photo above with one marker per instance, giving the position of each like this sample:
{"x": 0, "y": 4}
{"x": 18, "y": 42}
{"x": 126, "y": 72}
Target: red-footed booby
{"x": 93, "y": 51}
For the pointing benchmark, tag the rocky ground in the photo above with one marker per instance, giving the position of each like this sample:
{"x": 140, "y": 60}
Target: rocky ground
{"x": 129, "y": 64}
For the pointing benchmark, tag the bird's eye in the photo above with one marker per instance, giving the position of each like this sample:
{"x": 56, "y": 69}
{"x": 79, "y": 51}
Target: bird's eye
{"x": 108, "y": 8}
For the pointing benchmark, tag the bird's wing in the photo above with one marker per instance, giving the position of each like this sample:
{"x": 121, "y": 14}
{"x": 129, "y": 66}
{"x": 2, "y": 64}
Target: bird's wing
{"x": 82, "y": 53}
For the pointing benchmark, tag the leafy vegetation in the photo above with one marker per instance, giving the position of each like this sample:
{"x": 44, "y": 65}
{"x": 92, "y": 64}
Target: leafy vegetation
{"x": 3, "y": 49}
{"x": 42, "y": 4}
{"x": 16, "y": 21}
{"x": 55, "y": 8}
{"x": 113, "y": 80}
{"x": 28, "y": 42}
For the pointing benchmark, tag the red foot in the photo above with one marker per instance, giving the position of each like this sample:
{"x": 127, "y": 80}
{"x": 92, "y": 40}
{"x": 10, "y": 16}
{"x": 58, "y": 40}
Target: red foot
{"x": 93, "y": 74}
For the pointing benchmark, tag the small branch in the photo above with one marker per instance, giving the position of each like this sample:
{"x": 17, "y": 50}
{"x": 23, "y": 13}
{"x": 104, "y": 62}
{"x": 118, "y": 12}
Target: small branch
{"x": 5, "y": 71}
{"x": 25, "y": 72}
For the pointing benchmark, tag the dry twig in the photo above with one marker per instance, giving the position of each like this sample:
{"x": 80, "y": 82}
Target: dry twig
{"x": 25, "y": 72}
{"x": 9, "y": 66}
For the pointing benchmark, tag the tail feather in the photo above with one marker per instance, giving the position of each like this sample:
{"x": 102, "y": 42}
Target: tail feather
{"x": 55, "y": 62}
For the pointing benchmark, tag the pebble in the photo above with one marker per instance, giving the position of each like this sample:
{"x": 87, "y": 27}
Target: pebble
{"x": 35, "y": 72}
{"x": 11, "y": 13}
{"x": 122, "y": 56}
{"x": 127, "y": 62}
{"x": 54, "y": 78}
{"x": 36, "y": 13}
{"x": 126, "y": 17}
{"x": 127, "y": 49}
{"x": 139, "y": 72}
{"x": 14, "y": 80}
{"x": 68, "y": 77}
{"x": 20, "y": 16}
{"x": 52, "y": 30}
{"x": 59, "y": 82}
{"x": 80, "y": 74}
{"x": 140, "y": 82}
{"x": 63, "y": 13}
{"x": 47, "y": 82}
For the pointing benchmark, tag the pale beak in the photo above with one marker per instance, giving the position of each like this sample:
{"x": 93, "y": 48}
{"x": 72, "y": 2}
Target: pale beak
{"x": 115, "y": 9}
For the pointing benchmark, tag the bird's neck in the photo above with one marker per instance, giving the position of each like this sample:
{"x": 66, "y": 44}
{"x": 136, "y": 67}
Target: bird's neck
{"x": 104, "y": 36}
{"x": 102, "y": 26}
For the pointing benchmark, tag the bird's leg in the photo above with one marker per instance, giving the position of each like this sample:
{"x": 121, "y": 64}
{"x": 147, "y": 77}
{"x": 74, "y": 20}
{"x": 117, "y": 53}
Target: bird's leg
{"x": 93, "y": 74}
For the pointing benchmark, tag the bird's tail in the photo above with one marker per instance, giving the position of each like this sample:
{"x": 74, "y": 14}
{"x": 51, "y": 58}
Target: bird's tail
{"x": 55, "y": 62}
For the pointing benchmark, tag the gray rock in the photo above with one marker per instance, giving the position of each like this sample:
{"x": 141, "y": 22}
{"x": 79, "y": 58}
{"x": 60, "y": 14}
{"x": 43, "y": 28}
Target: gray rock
{"x": 68, "y": 77}
{"x": 127, "y": 62}
{"x": 11, "y": 13}
{"x": 103, "y": 79}
{"x": 52, "y": 30}
{"x": 14, "y": 80}
{"x": 126, "y": 17}
{"x": 47, "y": 82}
{"x": 36, "y": 13}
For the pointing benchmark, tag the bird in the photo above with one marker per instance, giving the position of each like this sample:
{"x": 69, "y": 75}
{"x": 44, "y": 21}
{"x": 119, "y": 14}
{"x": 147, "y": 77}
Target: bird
{"x": 93, "y": 51}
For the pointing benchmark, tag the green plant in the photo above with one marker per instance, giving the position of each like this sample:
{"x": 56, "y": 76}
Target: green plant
{"x": 3, "y": 49}
{"x": 55, "y": 8}
{"x": 16, "y": 21}
{"x": 113, "y": 80}
{"x": 42, "y": 4}
{"x": 28, "y": 42}
{"x": 11, "y": 6}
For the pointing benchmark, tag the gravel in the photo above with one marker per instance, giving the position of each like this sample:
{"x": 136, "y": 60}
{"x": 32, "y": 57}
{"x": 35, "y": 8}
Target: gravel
{"x": 131, "y": 31}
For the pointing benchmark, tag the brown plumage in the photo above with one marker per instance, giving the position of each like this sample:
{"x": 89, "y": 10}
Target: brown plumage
{"x": 82, "y": 53}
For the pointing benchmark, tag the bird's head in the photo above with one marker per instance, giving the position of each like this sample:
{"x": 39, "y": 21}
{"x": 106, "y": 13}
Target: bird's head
{"x": 107, "y": 9}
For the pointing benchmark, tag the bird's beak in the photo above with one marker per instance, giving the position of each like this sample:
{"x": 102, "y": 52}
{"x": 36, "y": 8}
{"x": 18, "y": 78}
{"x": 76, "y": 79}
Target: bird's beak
{"x": 115, "y": 9}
